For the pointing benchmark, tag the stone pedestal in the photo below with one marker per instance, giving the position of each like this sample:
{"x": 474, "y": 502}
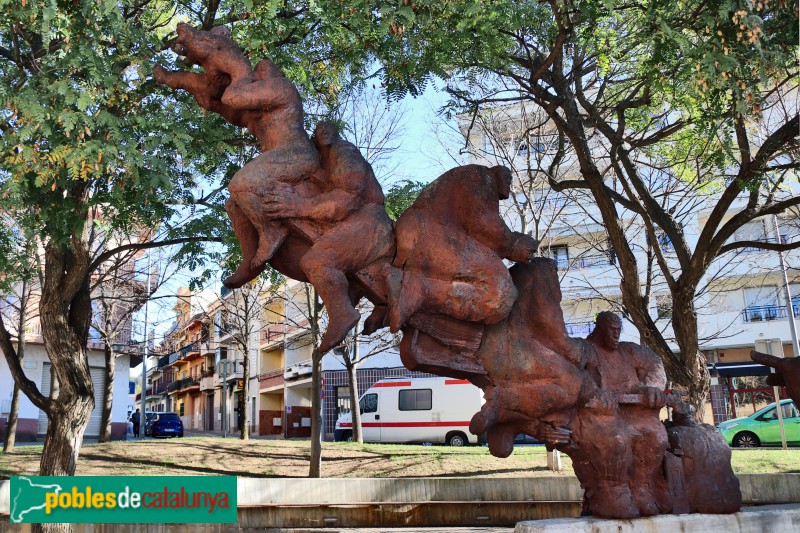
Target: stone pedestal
{"x": 748, "y": 520}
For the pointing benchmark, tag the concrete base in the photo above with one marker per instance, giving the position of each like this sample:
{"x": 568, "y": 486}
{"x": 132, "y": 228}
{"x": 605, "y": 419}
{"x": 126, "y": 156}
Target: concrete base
{"x": 748, "y": 520}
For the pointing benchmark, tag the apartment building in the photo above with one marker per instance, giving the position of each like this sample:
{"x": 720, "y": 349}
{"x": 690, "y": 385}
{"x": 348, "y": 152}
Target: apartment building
{"x": 741, "y": 299}
{"x": 186, "y": 377}
{"x": 31, "y": 421}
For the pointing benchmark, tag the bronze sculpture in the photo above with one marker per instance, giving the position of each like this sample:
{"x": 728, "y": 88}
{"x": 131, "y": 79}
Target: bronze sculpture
{"x": 313, "y": 209}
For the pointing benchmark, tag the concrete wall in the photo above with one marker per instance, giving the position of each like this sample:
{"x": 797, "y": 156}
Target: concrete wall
{"x": 33, "y": 366}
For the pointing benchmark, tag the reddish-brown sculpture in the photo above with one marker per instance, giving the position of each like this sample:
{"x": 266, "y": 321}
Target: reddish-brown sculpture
{"x": 787, "y": 372}
{"x": 269, "y": 106}
{"x": 315, "y": 197}
{"x": 313, "y": 209}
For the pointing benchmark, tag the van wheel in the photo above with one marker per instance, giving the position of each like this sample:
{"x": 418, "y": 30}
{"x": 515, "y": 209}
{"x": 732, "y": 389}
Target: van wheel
{"x": 348, "y": 436}
{"x": 457, "y": 439}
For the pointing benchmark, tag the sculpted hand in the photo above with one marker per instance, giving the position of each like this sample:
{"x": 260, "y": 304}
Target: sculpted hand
{"x": 654, "y": 397}
{"x": 160, "y": 74}
{"x": 555, "y": 435}
{"x": 524, "y": 249}
{"x": 281, "y": 201}
{"x": 604, "y": 401}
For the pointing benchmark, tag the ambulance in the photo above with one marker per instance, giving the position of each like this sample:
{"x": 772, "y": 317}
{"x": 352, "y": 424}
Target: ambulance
{"x": 424, "y": 410}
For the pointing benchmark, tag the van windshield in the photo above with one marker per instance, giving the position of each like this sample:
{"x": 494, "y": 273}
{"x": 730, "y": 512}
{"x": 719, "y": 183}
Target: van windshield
{"x": 368, "y": 403}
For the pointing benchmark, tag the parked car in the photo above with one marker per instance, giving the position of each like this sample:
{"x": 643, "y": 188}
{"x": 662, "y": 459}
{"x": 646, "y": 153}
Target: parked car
{"x": 524, "y": 438}
{"x": 762, "y": 427}
{"x": 165, "y": 425}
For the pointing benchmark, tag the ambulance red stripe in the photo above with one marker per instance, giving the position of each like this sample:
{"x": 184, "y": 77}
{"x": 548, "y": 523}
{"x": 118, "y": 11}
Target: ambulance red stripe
{"x": 406, "y": 424}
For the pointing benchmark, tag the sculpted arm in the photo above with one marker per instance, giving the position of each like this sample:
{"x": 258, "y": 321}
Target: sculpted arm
{"x": 490, "y": 229}
{"x": 205, "y": 93}
{"x": 249, "y": 93}
{"x": 651, "y": 374}
{"x": 331, "y": 206}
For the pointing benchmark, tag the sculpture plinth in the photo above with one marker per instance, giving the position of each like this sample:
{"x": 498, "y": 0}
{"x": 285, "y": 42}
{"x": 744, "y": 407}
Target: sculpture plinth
{"x": 312, "y": 208}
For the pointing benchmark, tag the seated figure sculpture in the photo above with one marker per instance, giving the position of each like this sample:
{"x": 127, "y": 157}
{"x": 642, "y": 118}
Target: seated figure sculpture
{"x": 621, "y": 368}
{"x": 265, "y": 102}
{"x": 596, "y": 400}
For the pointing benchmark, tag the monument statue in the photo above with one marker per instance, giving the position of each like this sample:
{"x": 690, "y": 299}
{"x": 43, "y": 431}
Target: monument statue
{"x": 313, "y": 209}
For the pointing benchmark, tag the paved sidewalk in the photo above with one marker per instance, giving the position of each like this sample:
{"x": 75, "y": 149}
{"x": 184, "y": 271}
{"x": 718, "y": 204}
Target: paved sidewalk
{"x": 495, "y": 529}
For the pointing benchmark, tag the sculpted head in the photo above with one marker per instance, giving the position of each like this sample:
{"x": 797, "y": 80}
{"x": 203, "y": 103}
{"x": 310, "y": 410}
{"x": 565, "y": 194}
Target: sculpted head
{"x": 266, "y": 69}
{"x": 200, "y": 47}
{"x": 607, "y": 330}
{"x": 325, "y": 134}
{"x": 502, "y": 179}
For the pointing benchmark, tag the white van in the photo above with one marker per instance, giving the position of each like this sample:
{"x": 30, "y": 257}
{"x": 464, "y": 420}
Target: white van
{"x": 436, "y": 410}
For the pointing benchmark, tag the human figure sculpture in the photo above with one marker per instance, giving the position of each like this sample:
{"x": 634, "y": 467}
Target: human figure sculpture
{"x": 451, "y": 244}
{"x": 596, "y": 400}
{"x": 314, "y": 211}
{"x": 621, "y": 368}
{"x": 265, "y": 102}
{"x": 350, "y": 200}
{"x": 787, "y": 372}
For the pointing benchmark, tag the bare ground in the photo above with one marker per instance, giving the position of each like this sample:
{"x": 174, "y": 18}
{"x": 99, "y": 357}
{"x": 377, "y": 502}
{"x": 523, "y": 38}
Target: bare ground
{"x": 289, "y": 458}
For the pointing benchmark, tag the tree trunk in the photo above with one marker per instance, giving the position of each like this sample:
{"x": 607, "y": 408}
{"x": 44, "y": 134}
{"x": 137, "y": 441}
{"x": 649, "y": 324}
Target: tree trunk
{"x": 108, "y": 394}
{"x": 64, "y": 437}
{"x": 244, "y": 431}
{"x": 315, "y": 468}
{"x": 67, "y": 421}
{"x": 689, "y": 371}
{"x": 11, "y": 426}
{"x": 13, "y": 414}
{"x": 355, "y": 412}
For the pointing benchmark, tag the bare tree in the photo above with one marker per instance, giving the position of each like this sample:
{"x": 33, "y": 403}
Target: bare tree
{"x": 19, "y": 306}
{"x": 356, "y": 349}
{"x": 241, "y": 310}
{"x": 546, "y": 204}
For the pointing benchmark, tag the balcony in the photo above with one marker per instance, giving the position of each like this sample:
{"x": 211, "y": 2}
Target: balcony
{"x": 209, "y": 381}
{"x": 164, "y": 361}
{"x": 271, "y": 378}
{"x": 766, "y": 313}
{"x": 783, "y": 240}
{"x": 182, "y": 385}
{"x": 584, "y": 261}
{"x": 186, "y": 352}
{"x": 298, "y": 370}
{"x": 159, "y": 388}
{"x": 207, "y": 347}
{"x": 579, "y": 329}
{"x": 272, "y": 333}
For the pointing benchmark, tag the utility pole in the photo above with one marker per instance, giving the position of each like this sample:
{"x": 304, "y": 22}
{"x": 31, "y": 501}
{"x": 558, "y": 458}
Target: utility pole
{"x": 145, "y": 354}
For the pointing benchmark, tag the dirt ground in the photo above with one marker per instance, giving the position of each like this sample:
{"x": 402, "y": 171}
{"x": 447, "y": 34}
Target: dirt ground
{"x": 289, "y": 458}
{"x": 284, "y": 458}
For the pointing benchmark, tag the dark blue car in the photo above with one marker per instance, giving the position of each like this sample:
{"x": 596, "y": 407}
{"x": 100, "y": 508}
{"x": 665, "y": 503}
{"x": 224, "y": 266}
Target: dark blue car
{"x": 165, "y": 425}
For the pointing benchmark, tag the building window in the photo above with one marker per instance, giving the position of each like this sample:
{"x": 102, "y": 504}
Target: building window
{"x": 665, "y": 243}
{"x": 761, "y": 304}
{"x": 342, "y": 401}
{"x": 561, "y": 255}
{"x": 664, "y": 307}
{"x": 752, "y": 231}
{"x": 180, "y": 407}
{"x": 416, "y": 400}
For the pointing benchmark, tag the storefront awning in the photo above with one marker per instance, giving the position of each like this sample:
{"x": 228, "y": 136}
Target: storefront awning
{"x": 737, "y": 370}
